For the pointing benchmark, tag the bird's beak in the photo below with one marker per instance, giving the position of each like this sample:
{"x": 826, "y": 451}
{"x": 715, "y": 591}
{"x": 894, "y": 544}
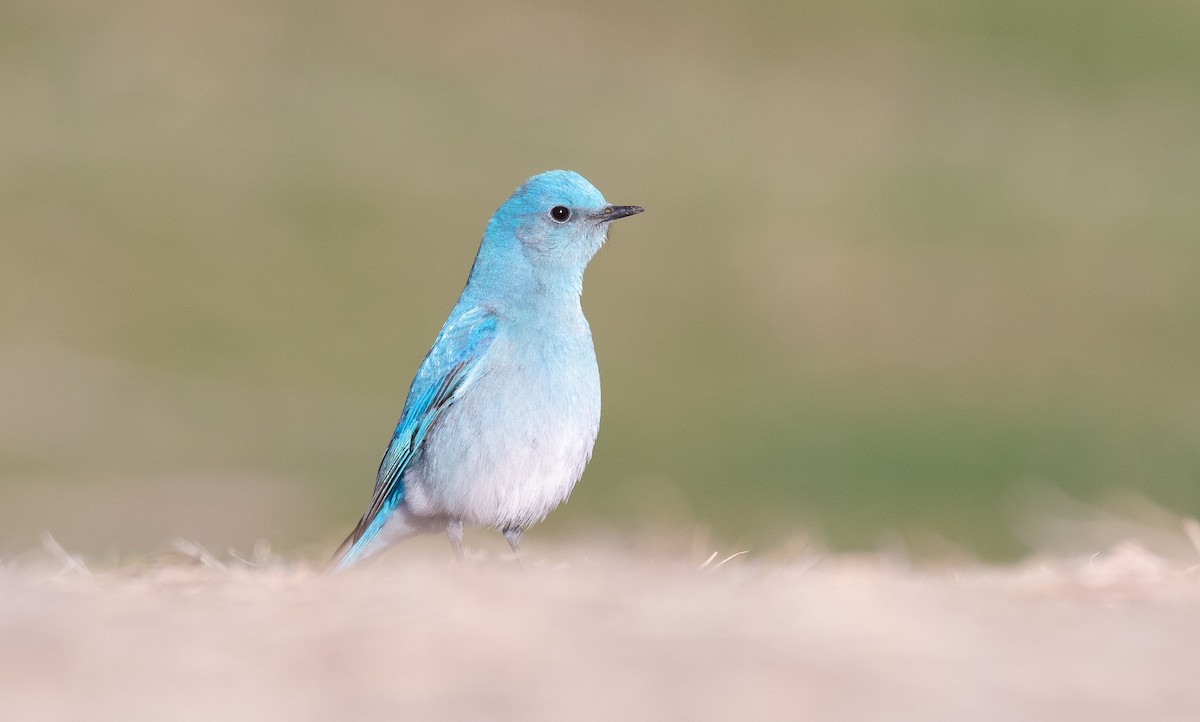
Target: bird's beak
{"x": 612, "y": 213}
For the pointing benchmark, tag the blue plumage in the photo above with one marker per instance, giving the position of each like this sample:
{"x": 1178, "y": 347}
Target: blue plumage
{"x": 502, "y": 414}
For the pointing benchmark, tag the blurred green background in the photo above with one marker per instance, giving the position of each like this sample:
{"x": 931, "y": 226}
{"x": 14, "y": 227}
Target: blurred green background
{"x": 901, "y": 262}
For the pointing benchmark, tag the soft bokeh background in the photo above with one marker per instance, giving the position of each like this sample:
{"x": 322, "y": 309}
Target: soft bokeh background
{"x": 904, "y": 266}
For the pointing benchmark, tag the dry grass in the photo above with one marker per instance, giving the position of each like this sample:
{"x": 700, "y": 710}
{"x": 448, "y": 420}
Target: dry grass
{"x": 598, "y": 634}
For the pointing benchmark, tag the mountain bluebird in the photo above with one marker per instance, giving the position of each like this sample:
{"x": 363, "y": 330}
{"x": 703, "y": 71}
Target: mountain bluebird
{"x": 501, "y": 417}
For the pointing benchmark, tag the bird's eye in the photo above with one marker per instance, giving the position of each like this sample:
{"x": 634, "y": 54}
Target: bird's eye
{"x": 560, "y": 214}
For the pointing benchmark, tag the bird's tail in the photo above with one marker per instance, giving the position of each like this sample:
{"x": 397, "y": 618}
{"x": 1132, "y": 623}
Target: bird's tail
{"x": 393, "y": 522}
{"x": 346, "y": 555}
{"x": 358, "y": 546}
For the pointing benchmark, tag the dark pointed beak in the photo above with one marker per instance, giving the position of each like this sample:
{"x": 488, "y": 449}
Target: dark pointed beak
{"x": 612, "y": 213}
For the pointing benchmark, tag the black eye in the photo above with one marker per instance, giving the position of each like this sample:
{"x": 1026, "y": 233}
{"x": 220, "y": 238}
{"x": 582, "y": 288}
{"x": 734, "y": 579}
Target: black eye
{"x": 560, "y": 214}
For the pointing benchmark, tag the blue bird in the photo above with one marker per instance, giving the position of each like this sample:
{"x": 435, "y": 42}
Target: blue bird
{"x": 502, "y": 415}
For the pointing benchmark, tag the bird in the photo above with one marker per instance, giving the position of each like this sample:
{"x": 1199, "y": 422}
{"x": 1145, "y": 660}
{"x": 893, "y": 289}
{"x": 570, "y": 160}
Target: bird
{"x": 503, "y": 412}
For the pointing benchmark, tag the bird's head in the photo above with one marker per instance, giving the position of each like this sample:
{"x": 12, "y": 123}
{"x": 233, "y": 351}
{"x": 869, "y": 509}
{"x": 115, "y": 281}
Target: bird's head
{"x": 557, "y": 220}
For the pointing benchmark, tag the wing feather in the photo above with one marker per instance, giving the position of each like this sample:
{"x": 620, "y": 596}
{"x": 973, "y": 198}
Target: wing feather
{"x": 447, "y": 371}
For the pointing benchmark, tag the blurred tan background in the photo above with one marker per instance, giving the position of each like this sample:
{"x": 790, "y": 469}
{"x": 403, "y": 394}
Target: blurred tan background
{"x": 904, "y": 266}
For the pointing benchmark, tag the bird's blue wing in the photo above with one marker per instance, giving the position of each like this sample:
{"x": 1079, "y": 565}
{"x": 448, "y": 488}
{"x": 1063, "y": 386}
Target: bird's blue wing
{"x": 448, "y": 369}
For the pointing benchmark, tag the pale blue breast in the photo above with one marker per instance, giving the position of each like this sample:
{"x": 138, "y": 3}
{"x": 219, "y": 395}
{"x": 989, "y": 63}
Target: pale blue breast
{"x": 512, "y": 447}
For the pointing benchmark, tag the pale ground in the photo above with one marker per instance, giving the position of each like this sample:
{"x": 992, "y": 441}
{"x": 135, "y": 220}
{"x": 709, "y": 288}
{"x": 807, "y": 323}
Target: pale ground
{"x": 595, "y": 633}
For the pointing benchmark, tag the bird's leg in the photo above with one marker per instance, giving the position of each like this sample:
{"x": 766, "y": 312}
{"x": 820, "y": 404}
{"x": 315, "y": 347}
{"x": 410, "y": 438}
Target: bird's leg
{"x": 512, "y": 534}
{"x": 454, "y": 530}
